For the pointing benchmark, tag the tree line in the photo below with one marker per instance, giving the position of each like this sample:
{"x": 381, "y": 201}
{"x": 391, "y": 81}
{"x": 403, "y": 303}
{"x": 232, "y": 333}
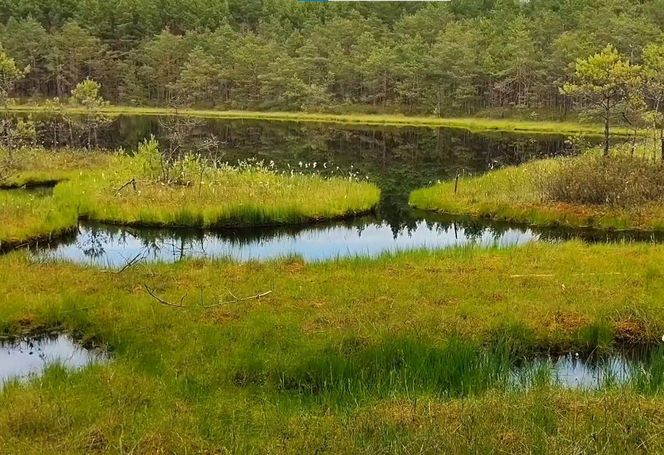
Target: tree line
{"x": 464, "y": 57}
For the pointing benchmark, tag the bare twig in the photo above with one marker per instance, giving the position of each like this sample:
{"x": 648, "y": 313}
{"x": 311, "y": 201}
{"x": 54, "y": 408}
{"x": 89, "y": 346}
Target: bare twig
{"x": 226, "y": 302}
{"x": 131, "y": 182}
{"x": 232, "y": 295}
{"x": 201, "y": 304}
{"x": 551, "y": 275}
{"x": 135, "y": 260}
{"x": 162, "y": 301}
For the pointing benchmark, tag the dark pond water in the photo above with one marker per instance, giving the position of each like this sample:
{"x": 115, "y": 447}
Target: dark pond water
{"x": 397, "y": 159}
{"x": 26, "y": 358}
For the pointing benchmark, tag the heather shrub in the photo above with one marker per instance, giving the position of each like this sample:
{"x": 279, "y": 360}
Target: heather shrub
{"x": 617, "y": 180}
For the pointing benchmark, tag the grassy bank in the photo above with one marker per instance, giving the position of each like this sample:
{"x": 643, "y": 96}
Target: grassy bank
{"x": 212, "y": 197}
{"x": 92, "y": 184}
{"x": 348, "y": 356}
{"x": 29, "y": 216}
{"x": 471, "y": 124}
{"x": 30, "y": 167}
{"x": 557, "y": 192}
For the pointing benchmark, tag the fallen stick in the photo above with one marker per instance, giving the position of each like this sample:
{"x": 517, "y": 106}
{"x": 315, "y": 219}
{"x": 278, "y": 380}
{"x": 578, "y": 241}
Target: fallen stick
{"x": 550, "y": 275}
{"x": 136, "y": 259}
{"x": 226, "y": 302}
{"x": 131, "y": 182}
{"x": 162, "y": 301}
{"x": 243, "y": 299}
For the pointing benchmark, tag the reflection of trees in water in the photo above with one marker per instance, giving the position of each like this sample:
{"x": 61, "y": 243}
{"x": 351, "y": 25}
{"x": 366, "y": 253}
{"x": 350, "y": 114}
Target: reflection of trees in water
{"x": 93, "y": 243}
{"x": 398, "y": 159}
{"x": 176, "y": 244}
{"x": 181, "y": 134}
{"x": 467, "y": 229}
{"x": 96, "y": 238}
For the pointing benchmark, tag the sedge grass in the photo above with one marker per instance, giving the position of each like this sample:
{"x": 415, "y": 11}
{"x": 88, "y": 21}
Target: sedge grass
{"x": 88, "y": 183}
{"x": 30, "y": 167}
{"x": 27, "y": 216}
{"x": 516, "y": 194}
{"x": 353, "y": 355}
{"x": 221, "y": 196}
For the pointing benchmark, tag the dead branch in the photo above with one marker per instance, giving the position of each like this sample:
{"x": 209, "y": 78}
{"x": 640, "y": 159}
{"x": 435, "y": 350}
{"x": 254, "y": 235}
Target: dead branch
{"x": 131, "y": 182}
{"x": 162, "y": 301}
{"x": 135, "y": 260}
{"x": 236, "y": 300}
{"x": 226, "y": 302}
{"x": 551, "y": 275}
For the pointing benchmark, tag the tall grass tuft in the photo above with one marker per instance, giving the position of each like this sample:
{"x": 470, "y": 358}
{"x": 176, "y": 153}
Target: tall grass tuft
{"x": 398, "y": 366}
{"x": 649, "y": 378}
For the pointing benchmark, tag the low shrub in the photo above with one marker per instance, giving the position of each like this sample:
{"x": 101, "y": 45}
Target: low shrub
{"x": 617, "y": 180}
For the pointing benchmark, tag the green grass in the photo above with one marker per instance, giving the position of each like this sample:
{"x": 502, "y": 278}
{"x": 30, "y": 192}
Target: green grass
{"x": 37, "y": 167}
{"x": 348, "y": 356}
{"x": 472, "y": 124}
{"x": 88, "y": 185}
{"x": 514, "y": 194}
{"x": 217, "y": 197}
{"x": 28, "y": 216}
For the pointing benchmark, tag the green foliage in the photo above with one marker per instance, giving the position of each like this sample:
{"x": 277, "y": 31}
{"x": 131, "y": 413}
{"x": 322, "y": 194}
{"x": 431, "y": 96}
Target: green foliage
{"x": 201, "y": 80}
{"x": 445, "y": 59}
{"x": 86, "y": 93}
{"x": 77, "y": 55}
{"x": 148, "y": 160}
{"x": 603, "y": 81}
{"x": 602, "y": 78}
{"x": 9, "y": 75}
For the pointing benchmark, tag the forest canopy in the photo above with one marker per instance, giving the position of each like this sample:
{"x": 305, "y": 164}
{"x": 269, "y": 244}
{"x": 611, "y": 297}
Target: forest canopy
{"x": 464, "y": 57}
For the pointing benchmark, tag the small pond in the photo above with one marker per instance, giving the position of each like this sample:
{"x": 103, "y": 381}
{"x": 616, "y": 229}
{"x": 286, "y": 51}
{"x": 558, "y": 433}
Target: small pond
{"x": 572, "y": 371}
{"x": 397, "y": 159}
{"x": 27, "y": 358}
{"x": 110, "y": 246}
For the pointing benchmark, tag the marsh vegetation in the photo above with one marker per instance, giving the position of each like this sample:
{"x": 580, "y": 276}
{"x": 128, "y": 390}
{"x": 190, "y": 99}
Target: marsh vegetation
{"x": 326, "y": 350}
{"x": 616, "y": 192}
{"x": 232, "y": 182}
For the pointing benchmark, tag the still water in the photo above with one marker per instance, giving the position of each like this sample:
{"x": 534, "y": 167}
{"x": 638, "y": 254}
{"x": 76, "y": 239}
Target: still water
{"x": 109, "y": 246}
{"x": 572, "y": 371}
{"x": 113, "y": 246}
{"x": 397, "y": 159}
{"x": 29, "y": 357}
